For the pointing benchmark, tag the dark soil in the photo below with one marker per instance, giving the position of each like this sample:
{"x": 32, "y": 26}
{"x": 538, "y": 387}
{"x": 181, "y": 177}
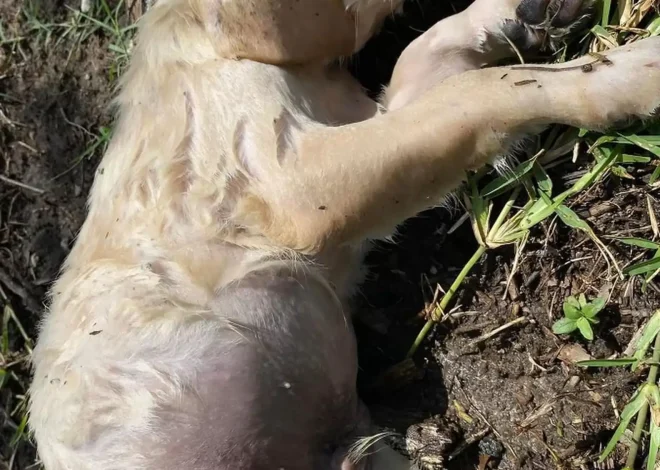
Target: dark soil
{"x": 53, "y": 102}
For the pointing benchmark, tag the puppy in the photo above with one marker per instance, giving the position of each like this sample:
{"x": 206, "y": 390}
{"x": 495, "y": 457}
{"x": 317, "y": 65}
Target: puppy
{"x": 200, "y": 321}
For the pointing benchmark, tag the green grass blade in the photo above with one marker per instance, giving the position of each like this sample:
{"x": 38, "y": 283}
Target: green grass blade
{"x": 606, "y": 13}
{"x": 503, "y": 183}
{"x": 621, "y": 362}
{"x": 643, "y": 142}
{"x": 655, "y": 175}
{"x": 604, "y": 35}
{"x": 610, "y": 156}
{"x": 543, "y": 181}
{"x": 653, "y": 140}
{"x": 654, "y": 26}
{"x": 651, "y": 276}
{"x": 626, "y": 158}
{"x": 649, "y": 333}
{"x": 539, "y": 211}
{"x": 643, "y": 267}
{"x": 630, "y": 410}
{"x": 639, "y": 242}
{"x": 20, "y": 432}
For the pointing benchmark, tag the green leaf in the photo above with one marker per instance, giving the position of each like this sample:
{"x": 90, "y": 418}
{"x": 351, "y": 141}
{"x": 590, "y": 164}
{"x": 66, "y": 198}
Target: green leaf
{"x": 651, "y": 329}
{"x": 543, "y": 181}
{"x": 651, "y": 276}
{"x": 539, "y": 211}
{"x": 640, "y": 242}
{"x": 593, "y": 308}
{"x": 599, "y": 168}
{"x": 621, "y": 362}
{"x": 655, "y": 175}
{"x": 606, "y": 139}
{"x": 621, "y": 172}
{"x": 582, "y": 299}
{"x": 626, "y": 158}
{"x": 571, "y": 311}
{"x": 643, "y": 267}
{"x": 564, "y": 326}
{"x": 654, "y": 26}
{"x": 630, "y": 410}
{"x": 20, "y": 432}
{"x": 606, "y": 11}
{"x": 502, "y": 183}
{"x": 573, "y": 301}
{"x": 570, "y": 218}
{"x": 585, "y": 328}
{"x": 643, "y": 142}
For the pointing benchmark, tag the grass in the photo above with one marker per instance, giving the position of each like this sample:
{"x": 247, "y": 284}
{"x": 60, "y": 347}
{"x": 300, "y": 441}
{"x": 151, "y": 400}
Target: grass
{"x": 529, "y": 195}
{"x": 15, "y": 408}
{"x": 631, "y": 20}
{"x": 32, "y": 33}
{"x": 79, "y": 27}
{"x": 639, "y": 145}
{"x": 645, "y": 399}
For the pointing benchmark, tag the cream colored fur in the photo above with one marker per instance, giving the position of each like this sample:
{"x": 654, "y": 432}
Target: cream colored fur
{"x": 233, "y": 154}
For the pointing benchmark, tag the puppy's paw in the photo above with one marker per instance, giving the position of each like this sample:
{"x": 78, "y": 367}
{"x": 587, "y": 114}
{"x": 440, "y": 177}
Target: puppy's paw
{"x": 634, "y": 78}
{"x": 545, "y": 23}
{"x": 600, "y": 95}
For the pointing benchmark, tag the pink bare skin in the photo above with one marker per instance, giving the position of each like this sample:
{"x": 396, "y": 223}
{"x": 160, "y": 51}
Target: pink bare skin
{"x": 201, "y": 320}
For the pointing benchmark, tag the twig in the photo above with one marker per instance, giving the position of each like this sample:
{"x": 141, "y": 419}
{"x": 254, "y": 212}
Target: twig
{"x": 21, "y": 185}
{"x": 471, "y": 439}
{"x": 652, "y": 218}
{"x": 497, "y": 330}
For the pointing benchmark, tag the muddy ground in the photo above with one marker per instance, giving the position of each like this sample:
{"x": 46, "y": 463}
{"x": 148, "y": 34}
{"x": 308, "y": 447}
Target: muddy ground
{"x": 516, "y": 387}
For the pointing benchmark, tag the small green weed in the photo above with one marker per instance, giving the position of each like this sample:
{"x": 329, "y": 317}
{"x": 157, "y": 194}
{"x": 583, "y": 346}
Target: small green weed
{"x": 579, "y": 315}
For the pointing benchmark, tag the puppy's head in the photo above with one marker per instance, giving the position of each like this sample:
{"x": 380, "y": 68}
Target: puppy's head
{"x": 299, "y": 31}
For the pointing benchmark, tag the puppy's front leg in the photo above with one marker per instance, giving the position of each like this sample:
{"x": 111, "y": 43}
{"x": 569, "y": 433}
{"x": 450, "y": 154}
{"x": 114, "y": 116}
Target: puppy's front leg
{"x": 480, "y": 35}
{"x": 338, "y": 185}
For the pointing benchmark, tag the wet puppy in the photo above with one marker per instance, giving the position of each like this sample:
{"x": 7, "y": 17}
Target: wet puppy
{"x": 200, "y": 321}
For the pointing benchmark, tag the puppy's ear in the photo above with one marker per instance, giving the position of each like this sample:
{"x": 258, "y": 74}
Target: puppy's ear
{"x": 286, "y": 31}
